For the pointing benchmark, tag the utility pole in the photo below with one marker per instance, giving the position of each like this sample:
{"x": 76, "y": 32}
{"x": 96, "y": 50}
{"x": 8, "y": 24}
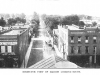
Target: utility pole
{"x": 95, "y": 56}
{"x": 24, "y": 59}
{"x": 63, "y": 51}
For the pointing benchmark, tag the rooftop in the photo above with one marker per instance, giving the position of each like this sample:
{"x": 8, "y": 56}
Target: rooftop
{"x": 13, "y": 32}
{"x": 74, "y": 27}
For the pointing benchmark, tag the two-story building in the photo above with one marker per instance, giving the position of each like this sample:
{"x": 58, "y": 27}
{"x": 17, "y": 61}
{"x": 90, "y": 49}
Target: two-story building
{"x": 14, "y": 42}
{"x": 82, "y": 44}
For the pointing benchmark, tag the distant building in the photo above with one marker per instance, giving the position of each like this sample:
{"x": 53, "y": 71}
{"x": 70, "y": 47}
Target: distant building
{"x": 82, "y": 44}
{"x": 87, "y": 23}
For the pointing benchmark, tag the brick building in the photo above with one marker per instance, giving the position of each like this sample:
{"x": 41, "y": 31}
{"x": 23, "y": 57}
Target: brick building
{"x": 14, "y": 42}
{"x": 82, "y": 44}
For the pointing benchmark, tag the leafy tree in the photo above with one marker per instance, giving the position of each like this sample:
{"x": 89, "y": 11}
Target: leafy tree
{"x": 81, "y": 24}
{"x": 2, "y": 22}
{"x": 22, "y": 16}
{"x": 35, "y": 18}
{"x": 23, "y": 21}
{"x": 94, "y": 23}
{"x": 7, "y": 16}
{"x": 20, "y": 20}
{"x": 85, "y": 17}
{"x": 11, "y": 21}
{"x": 89, "y": 17}
{"x": 35, "y": 21}
{"x": 13, "y": 16}
{"x": 69, "y": 20}
{"x": 51, "y": 22}
{"x": 2, "y": 16}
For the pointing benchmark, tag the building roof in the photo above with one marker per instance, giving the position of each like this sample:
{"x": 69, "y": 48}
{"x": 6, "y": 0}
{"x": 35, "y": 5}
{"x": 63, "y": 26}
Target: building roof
{"x": 73, "y": 27}
{"x": 54, "y": 62}
{"x": 13, "y": 32}
{"x": 87, "y": 21}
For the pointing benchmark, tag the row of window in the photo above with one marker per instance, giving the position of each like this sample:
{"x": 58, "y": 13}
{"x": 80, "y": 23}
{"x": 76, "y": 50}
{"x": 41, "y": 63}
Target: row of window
{"x": 4, "y": 49}
{"x": 79, "y": 51}
{"x": 86, "y": 39}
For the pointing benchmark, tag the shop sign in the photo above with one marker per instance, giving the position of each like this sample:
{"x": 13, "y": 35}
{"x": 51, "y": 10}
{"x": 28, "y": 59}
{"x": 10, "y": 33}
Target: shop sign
{"x": 77, "y": 32}
{"x": 8, "y": 43}
{"x": 90, "y": 31}
{"x": 8, "y": 40}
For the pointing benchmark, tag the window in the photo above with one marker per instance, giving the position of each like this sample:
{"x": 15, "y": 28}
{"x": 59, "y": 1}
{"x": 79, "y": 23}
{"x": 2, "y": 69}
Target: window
{"x": 6, "y": 49}
{"x": 9, "y": 48}
{"x": 94, "y": 39}
{"x": 3, "y": 50}
{"x": 72, "y": 49}
{"x": 87, "y": 39}
{"x": 86, "y": 49}
{"x": 0, "y": 49}
{"x": 79, "y": 39}
{"x": 79, "y": 49}
{"x": 72, "y": 39}
{"x": 94, "y": 49}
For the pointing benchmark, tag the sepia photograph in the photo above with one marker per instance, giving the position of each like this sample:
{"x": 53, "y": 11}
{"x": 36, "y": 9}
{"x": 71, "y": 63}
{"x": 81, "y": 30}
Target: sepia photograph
{"x": 49, "y": 34}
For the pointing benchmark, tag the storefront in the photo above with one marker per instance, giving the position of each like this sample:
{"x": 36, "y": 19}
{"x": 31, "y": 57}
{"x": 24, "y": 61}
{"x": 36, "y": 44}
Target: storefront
{"x": 14, "y": 44}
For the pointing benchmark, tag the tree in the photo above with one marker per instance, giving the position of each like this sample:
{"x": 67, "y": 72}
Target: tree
{"x": 13, "y": 16}
{"x": 23, "y": 21}
{"x": 7, "y": 16}
{"x": 11, "y": 21}
{"x": 2, "y": 22}
{"x": 18, "y": 19}
{"x": 35, "y": 18}
{"x": 22, "y": 16}
{"x": 94, "y": 23}
{"x": 69, "y": 20}
{"x": 81, "y": 24}
{"x": 1, "y": 15}
{"x": 89, "y": 17}
{"x": 52, "y": 21}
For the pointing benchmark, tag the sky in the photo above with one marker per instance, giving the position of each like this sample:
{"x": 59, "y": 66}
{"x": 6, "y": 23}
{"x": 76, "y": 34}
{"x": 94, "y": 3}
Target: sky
{"x": 51, "y": 7}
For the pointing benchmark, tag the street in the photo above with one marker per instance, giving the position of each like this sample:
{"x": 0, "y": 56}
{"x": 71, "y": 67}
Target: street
{"x": 39, "y": 49}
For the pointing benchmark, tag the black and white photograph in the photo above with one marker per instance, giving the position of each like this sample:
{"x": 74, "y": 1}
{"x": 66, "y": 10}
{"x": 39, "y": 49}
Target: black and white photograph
{"x": 49, "y": 34}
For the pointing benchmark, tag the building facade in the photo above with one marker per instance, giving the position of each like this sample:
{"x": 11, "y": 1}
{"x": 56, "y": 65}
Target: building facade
{"x": 14, "y": 42}
{"x": 60, "y": 39}
{"x": 82, "y": 44}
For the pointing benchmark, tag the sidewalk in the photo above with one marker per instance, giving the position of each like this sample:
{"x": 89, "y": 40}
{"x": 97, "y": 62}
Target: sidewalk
{"x": 66, "y": 64}
{"x": 25, "y": 61}
{"x": 36, "y": 53}
{"x": 57, "y": 52}
{"x": 48, "y": 52}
